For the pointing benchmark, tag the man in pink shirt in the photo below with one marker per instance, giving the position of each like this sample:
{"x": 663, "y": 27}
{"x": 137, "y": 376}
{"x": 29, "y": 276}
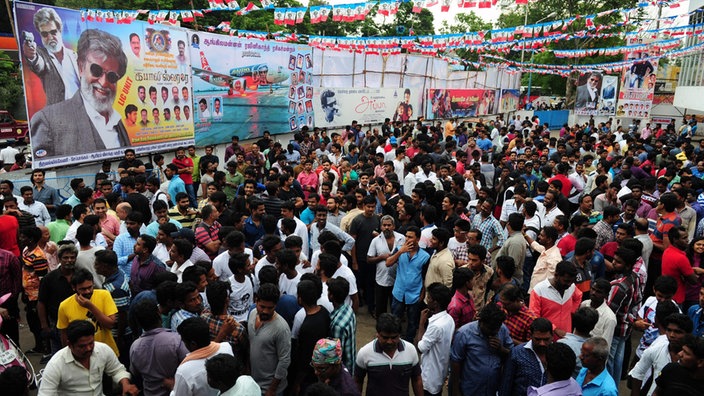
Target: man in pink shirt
{"x": 308, "y": 179}
{"x": 556, "y": 298}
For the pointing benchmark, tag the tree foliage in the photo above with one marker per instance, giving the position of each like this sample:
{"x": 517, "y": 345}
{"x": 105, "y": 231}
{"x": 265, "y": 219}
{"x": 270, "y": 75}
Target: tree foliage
{"x": 466, "y": 23}
{"x": 11, "y": 87}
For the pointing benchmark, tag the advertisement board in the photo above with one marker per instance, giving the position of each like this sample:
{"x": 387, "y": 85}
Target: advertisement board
{"x": 596, "y": 94}
{"x": 461, "y": 103}
{"x": 340, "y": 106}
{"x": 244, "y": 87}
{"x": 638, "y": 82}
{"x": 509, "y": 100}
{"x": 94, "y": 88}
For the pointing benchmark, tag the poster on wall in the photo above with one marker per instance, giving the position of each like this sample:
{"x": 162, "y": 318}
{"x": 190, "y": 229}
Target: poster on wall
{"x": 340, "y": 106}
{"x": 509, "y": 100}
{"x": 638, "y": 82}
{"x": 244, "y": 87}
{"x": 461, "y": 103}
{"x": 596, "y": 94}
{"x": 95, "y": 88}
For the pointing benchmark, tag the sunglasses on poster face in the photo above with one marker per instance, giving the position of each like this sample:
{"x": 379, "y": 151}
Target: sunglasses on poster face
{"x": 52, "y": 32}
{"x": 97, "y": 71}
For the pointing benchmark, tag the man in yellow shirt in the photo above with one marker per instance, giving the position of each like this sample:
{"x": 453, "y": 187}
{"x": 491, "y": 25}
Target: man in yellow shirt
{"x": 96, "y": 306}
{"x": 449, "y": 128}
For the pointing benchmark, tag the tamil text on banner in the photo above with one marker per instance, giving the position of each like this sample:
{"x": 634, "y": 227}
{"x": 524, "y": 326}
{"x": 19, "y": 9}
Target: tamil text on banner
{"x": 340, "y": 106}
{"x": 596, "y": 94}
{"x": 509, "y": 100}
{"x": 638, "y": 82}
{"x": 94, "y": 87}
{"x": 451, "y": 103}
{"x": 243, "y": 87}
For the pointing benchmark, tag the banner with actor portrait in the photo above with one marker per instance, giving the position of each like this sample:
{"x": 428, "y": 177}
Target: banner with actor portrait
{"x": 340, "y": 106}
{"x": 460, "y": 103}
{"x": 638, "y": 82}
{"x": 247, "y": 86}
{"x": 596, "y": 94}
{"x": 95, "y": 87}
{"x": 509, "y": 100}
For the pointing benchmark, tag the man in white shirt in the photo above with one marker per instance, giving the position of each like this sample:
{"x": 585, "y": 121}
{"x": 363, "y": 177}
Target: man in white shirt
{"x": 79, "y": 367}
{"x": 36, "y": 208}
{"x": 179, "y": 253}
{"x": 607, "y": 319}
{"x": 191, "y": 376}
{"x": 383, "y": 246}
{"x": 434, "y": 341}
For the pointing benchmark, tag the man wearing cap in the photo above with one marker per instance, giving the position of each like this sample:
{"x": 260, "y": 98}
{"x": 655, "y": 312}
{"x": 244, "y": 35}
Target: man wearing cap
{"x": 327, "y": 364}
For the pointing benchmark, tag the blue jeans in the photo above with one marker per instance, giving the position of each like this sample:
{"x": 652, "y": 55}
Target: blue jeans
{"x": 615, "y": 363}
{"x": 191, "y": 195}
{"x": 412, "y": 314}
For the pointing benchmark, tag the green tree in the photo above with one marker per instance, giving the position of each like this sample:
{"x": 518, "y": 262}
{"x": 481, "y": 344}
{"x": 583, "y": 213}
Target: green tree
{"x": 466, "y": 23}
{"x": 11, "y": 87}
{"x": 406, "y": 20}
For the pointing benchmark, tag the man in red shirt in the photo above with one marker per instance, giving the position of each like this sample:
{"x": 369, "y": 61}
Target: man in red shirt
{"x": 676, "y": 264}
{"x": 561, "y": 175}
{"x": 185, "y": 171}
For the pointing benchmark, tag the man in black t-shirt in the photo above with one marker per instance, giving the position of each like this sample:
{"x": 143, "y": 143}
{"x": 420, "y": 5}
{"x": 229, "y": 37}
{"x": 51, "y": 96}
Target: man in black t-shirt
{"x": 131, "y": 164}
{"x": 686, "y": 377}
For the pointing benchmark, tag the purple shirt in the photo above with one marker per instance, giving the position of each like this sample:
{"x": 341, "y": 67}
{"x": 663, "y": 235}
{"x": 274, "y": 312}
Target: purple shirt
{"x": 156, "y": 355}
{"x": 141, "y": 274}
{"x": 568, "y": 387}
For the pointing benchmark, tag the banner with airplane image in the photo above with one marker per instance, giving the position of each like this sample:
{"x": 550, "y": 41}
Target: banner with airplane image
{"x": 244, "y": 87}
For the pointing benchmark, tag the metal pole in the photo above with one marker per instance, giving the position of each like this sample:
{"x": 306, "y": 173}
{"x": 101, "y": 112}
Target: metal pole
{"x": 525, "y": 22}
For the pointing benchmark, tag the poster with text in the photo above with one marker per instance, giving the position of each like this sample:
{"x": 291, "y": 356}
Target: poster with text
{"x": 461, "y": 103}
{"x": 509, "y": 100}
{"x": 244, "y": 87}
{"x": 596, "y": 94}
{"x": 94, "y": 87}
{"x": 638, "y": 81}
{"x": 340, "y": 106}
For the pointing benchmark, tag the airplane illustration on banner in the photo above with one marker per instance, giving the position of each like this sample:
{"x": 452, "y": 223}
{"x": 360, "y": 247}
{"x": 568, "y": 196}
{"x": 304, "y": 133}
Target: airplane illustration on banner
{"x": 242, "y": 78}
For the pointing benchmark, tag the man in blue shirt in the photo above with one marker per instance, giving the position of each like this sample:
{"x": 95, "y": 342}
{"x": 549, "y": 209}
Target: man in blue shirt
{"x": 695, "y": 313}
{"x": 594, "y": 379}
{"x": 525, "y": 367}
{"x": 176, "y": 185}
{"x": 478, "y": 351}
{"x": 409, "y": 280}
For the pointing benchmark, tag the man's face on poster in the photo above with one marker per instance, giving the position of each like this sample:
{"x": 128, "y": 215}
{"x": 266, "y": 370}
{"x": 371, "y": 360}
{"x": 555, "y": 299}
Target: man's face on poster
{"x": 174, "y": 93}
{"x": 187, "y": 112}
{"x": 181, "y": 50}
{"x": 177, "y": 113}
{"x": 594, "y": 81}
{"x": 407, "y": 97}
{"x": 164, "y": 95}
{"x": 51, "y": 36}
{"x": 142, "y": 93}
{"x": 96, "y": 84}
{"x": 144, "y": 115}
{"x": 135, "y": 45}
{"x": 132, "y": 117}
{"x": 184, "y": 93}
{"x": 202, "y": 106}
{"x": 217, "y": 106}
{"x": 152, "y": 96}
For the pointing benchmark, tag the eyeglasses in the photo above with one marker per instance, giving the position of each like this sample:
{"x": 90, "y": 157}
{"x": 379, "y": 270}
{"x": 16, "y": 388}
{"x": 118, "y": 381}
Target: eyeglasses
{"x": 97, "y": 71}
{"x": 52, "y": 32}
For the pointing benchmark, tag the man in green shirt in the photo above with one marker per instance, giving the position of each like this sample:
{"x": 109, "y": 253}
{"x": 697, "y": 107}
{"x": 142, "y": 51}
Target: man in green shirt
{"x": 59, "y": 227}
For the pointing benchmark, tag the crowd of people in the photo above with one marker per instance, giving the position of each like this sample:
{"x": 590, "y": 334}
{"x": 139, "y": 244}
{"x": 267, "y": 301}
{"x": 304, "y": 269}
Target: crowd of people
{"x": 494, "y": 258}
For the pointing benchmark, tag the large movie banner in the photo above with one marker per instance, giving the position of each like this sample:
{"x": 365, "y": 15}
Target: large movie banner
{"x": 340, "y": 106}
{"x": 461, "y": 103}
{"x": 94, "y": 87}
{"x": 638, "y": 83}
{"x": 596, "y": 94}
{"x": 244, "y": 87}
{"x": 509, "y": 100}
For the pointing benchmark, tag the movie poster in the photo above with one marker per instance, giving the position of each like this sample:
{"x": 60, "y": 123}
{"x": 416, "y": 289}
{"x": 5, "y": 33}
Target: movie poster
{"x": 244, "y": 87}
{"x": 340, "y": 106}
{"x": 638, "y": 82}
{"x": 460, "y": 103}
{"x": 509, "y": 100}
{"x": 596, "y": 94}
{"x": 95, "y": 87}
